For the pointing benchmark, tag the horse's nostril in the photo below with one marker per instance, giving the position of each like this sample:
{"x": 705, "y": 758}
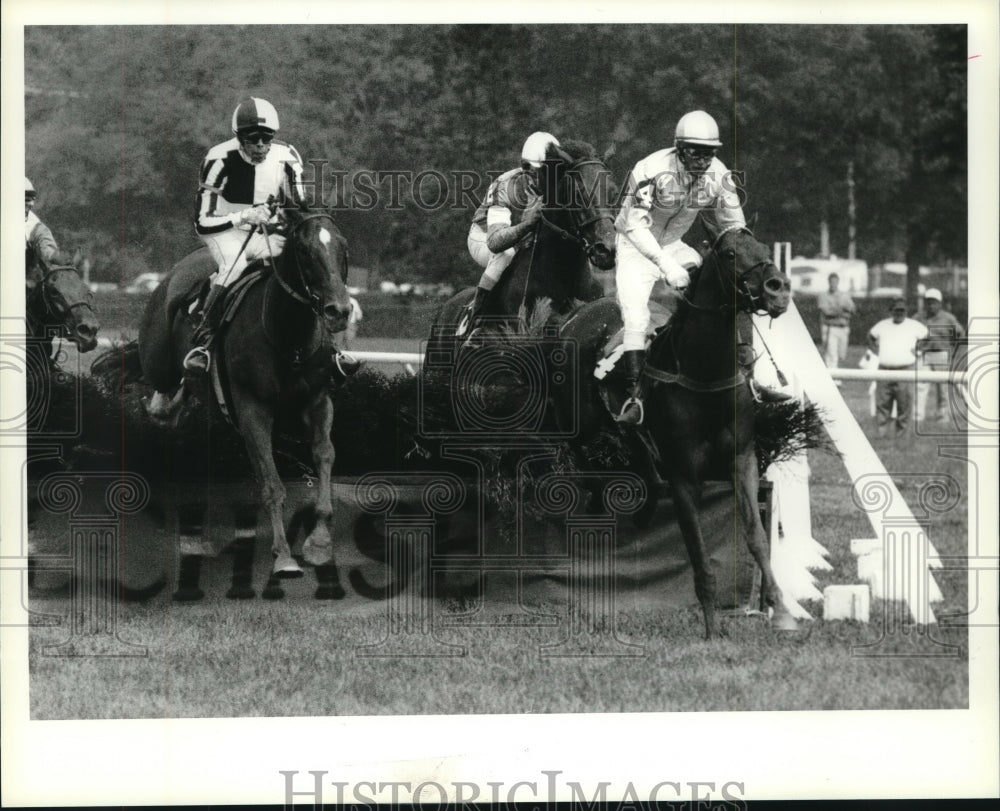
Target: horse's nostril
{"x": 773, "y": 286}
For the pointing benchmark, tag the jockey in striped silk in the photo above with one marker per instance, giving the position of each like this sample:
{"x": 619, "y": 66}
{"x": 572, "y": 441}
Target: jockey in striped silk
{"x": 237, "y": 179}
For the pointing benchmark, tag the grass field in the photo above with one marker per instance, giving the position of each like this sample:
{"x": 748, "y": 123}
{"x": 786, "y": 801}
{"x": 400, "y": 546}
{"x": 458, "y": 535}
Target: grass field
{"x": 300, "y": 657}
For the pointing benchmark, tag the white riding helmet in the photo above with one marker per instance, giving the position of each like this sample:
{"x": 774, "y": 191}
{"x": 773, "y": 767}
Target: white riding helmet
{"x": 697, "y": 128}
{"x": 535, "y": 148}
{"x": 254, "y": 113}
{"x": 29, "y": 190}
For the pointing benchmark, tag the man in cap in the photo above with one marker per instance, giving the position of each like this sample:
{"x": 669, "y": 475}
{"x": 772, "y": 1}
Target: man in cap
{"x": 944, "y": 332}
{"x": 895, "y": 341}
{"x": 836, "y": 308}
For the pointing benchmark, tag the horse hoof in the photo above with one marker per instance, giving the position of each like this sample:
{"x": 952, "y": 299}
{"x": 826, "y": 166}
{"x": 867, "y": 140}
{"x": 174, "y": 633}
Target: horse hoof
{"x": 240, "y": 593}
{"x": 330, "y": 592}
{"x": 273, "y": 590}
{"x": 286, "y": 567}
{"x": 785, "y": 622}
{"x": 187, "y": 595}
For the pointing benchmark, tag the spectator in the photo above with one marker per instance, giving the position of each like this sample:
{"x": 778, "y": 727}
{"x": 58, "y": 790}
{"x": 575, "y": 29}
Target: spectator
{"x": 895, "y": 341}
{"x": 348, "y": 335}
{"x": 944, "y": 332}
{"x": 836, "y": 308}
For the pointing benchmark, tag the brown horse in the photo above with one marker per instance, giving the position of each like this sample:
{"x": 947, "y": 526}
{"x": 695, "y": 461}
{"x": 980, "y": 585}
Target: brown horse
{"x": 576, "y": 228}
{"x": 276, "y": 357}
{"x": 58, "y": 303}
{"x": 699, "y": 407}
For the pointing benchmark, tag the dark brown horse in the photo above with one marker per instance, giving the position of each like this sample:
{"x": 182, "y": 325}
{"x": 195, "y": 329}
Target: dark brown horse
{"x": 699, "y": 408}
{"x": 576, "y": 228}
{"x": 57, "y": 303}
{"x": 276, "y": 356}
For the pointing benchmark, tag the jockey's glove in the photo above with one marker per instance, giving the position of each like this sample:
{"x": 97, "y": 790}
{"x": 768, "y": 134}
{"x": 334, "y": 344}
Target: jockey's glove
{"x": 672, "y": 271}
{"x": 253, "y": 216}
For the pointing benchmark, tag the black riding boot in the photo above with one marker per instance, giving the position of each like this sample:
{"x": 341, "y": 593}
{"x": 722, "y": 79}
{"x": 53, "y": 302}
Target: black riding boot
{"x": 198, "y": 360}
{"x": 471, "y": 311}
{"x": 632, "y": 412}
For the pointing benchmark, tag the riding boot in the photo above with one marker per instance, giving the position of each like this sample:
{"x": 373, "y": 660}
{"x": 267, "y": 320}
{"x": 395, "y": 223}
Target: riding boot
{"x": 198, "y": 359}
{"x": 632, "y": 411}
{"x": 471, "y": 311}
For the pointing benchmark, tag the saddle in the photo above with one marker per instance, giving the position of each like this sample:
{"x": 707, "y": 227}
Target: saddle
{"x": 659, "y": 315}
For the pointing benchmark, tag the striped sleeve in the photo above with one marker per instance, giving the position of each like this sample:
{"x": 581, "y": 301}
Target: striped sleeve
{"x": 212, "y": 181}
{"x": 292, "y": 185}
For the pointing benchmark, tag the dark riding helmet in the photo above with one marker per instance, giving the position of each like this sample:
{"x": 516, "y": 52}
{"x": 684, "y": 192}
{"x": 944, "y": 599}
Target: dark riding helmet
{"x": 255, "y": 114}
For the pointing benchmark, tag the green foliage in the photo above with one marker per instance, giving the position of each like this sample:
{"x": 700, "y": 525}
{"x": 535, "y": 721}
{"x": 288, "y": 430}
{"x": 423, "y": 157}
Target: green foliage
{"x": 118, "y": 119}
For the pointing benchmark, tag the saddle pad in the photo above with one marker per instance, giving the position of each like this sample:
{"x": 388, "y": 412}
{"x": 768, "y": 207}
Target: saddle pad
{"x": 658, "y": 317}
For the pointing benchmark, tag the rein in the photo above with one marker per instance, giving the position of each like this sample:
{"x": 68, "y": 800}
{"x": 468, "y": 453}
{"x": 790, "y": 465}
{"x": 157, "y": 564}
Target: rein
{"x": 313, "y": 301}
{"x": 745, "y": 301}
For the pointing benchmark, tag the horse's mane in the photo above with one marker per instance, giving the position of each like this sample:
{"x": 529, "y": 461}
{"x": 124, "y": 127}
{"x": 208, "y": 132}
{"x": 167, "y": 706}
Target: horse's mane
{"x": 575, "y": 149}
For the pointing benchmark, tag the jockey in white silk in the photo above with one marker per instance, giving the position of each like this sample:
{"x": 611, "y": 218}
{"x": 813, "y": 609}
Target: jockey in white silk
{"x": 40, "y": 248}
{"x": 507, "y": 215}
{"x": 237, "y": 179}
{"x": 666, "y": 192}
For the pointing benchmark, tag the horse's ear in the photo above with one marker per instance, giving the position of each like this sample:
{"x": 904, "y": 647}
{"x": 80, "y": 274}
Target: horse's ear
{"x": 609, "y": 153}
{"x": 564, "y": 156}
{"x": 752, "y": 222}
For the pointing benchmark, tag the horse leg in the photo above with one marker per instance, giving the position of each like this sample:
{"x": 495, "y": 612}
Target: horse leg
{"x": 256, "y": 425}
{"x": 746, "y": 482}
{"x": 686, "y": 494}
{"x": 318, "y": 546}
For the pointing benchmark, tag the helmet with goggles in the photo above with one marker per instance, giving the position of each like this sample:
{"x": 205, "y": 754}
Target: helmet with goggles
{"x": 255, "y": 114}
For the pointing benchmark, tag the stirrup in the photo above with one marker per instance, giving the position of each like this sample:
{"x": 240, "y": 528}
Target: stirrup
{"x": 346, "y": 365}
{"x": 628, "y": 418}
{"x": 198, "y": 360}
{"x": 764, "y": 394}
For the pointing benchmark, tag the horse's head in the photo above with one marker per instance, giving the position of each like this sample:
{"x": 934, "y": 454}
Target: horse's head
{"x": 760, "y": 286}
{"x": 579, "y": 195}
{"x": 315, "y": 265}
{"x": 67, "y": 303}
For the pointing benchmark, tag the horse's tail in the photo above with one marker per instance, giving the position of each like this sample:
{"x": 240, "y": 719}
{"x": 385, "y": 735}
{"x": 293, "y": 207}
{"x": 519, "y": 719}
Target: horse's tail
{"x": 155, "y": 349}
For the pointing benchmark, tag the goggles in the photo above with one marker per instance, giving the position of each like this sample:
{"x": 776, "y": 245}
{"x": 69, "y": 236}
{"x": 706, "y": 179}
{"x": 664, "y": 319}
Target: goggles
{"x": 700, "y": 154}
{"x": 258, "y": 137}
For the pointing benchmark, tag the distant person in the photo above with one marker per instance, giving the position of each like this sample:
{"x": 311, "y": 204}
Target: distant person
{"x": 40, "y": 248}
{"x": 236, "y": 180}
{"x": 836, "y": 308}
{"x": 666, "y": 192}
{"x": 351, "y": 332}
{"x": 895, "y": 341}
{"x": 944, "y": 333}
{"x": 508, "y": 213}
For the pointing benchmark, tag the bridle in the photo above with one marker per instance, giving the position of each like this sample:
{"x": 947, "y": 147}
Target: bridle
{"x": 58, "y": 309}
{"x": 575, "y": 232}
{"x": 311, "y": 299}
{"x": 742, "y": 295}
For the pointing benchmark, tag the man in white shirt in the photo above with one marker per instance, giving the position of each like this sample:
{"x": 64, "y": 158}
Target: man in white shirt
{"x": 894, "y": 340}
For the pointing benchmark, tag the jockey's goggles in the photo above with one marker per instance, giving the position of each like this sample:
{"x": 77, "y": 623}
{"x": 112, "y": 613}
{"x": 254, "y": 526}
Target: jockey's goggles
{"x": 258, "y": 137}
{"x": 701, "y": 154}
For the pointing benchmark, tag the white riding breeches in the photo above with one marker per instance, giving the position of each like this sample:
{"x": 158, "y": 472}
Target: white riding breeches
{"x": 225, "y": 249}
{"x": 635, "y": 277}
{"x": 495, "y": 263}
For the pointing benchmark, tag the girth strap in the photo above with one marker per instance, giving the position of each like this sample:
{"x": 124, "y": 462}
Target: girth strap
{"x": 693, "y": 385}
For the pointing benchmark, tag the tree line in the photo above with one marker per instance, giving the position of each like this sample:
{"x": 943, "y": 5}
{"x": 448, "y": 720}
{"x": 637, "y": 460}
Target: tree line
{"x": 119, "y": 118}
